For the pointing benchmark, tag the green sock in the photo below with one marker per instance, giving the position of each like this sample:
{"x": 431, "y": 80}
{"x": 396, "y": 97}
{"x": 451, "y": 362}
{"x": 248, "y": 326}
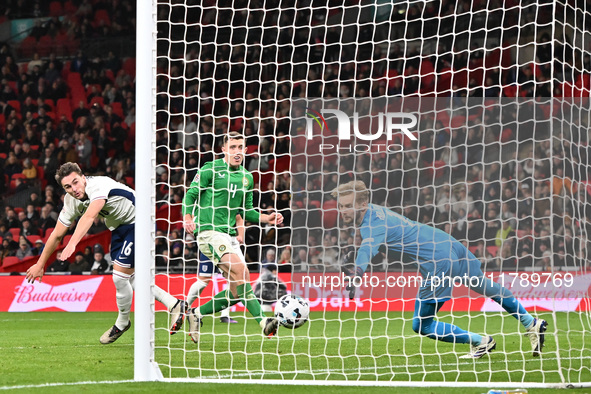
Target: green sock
{"x": 249, "y": 300}
{"x": 220, "y": 301}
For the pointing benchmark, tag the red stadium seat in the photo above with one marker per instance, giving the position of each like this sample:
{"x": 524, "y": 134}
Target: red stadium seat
{"x": 129, "y": 181}
{"x": 18, "y": 176}
{"x": 97, "y": 100}
{"x": 64, "y": 108}
{"x": 33, "y": 238}
{"x": 109, "y": 74}
{"x": 129, "y": 66}
{"x": 45, "y": 46}
{"x": 48, "y": 232}
{"x": 281, "y": 164}
{"x": 330, "y": 215}
{"x": 66, "y": 239}
{"x": 102, "y": 16}
{"x": 27, "y": 47}
{"x": 74, "y": 79}
{"x": 55, "y": 8}
{"x": 50, "y": 103}
{"x": 16, "y": 105}
{"x": 16, "y": 232}
{"x": 70, "y": 8}
{"x": 60, "y": 46}
{"x": 10, "y": 260}
{"x": 118, "y": 109}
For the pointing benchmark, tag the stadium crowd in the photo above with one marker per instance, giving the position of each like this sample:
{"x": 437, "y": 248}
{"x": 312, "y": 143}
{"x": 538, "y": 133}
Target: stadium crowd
{"x": 58, "y": 104}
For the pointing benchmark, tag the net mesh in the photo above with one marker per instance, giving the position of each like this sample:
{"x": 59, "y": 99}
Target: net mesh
{"x": 499, "y": 91}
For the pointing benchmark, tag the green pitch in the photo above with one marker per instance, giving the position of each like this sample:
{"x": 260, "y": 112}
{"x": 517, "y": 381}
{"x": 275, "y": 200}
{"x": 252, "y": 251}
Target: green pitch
{"x": 44, "y": 347}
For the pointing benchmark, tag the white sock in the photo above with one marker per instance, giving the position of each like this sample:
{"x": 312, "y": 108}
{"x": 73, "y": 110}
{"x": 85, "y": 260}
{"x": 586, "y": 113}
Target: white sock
{"x": 124, "y": 295}
{"x": 195, "y": 291}
{"x": 225, "y": 312}
{"x": 165, "y": 298}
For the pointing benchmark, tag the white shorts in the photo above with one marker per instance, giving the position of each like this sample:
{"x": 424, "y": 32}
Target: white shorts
{"x": 214, "y": 245}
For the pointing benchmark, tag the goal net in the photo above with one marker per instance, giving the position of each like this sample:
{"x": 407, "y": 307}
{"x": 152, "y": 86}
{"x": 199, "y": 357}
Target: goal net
{"x": 470, "y": 117}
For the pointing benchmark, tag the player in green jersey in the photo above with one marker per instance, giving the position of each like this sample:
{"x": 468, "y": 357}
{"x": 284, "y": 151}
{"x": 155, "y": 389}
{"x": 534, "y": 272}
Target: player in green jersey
{"x": 221, "y": 190}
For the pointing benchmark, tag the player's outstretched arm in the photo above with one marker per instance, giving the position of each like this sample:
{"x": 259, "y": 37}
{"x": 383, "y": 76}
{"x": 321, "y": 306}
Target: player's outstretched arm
{"x": 36, "y": 271}
{"x": 83, "y": 226}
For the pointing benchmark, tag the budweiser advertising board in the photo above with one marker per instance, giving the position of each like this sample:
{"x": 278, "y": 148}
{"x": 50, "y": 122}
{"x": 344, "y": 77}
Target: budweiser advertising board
{"x": 377, "y": 292}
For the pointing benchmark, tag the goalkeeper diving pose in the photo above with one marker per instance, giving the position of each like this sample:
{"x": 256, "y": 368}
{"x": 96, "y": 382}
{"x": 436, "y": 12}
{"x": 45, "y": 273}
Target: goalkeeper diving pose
{"x": 222, "y": 189}
{"x": 437, "y": 254}
{"x": 87, "y": 198}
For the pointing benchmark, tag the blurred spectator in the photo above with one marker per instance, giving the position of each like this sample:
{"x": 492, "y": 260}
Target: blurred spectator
{"x": 84, "y": 148}
{"x": 99, "y": 265}
{"x": 48, "y": 218}
{"x": 58, "y": 264}
{"x": 28, "y": 228}
{"x": 98, "y": 226}
{"x": 29, "y": 170}
{"x": 66, "y": 153}
{"x": 12, "y": 165}
{"x": 269, "y": 287}
{"x": 24, "y": 249}
{"x": 269, "y": 257}
{"x": 79, "y": 265}
{"x": 38, "y": 248}
{"x": 89, "y": 254}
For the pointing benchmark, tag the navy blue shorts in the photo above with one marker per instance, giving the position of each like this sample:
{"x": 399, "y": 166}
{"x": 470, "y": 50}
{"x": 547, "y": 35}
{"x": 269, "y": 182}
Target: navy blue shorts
{"x": 122, "y": 246}
{"x": 206, "y": 266}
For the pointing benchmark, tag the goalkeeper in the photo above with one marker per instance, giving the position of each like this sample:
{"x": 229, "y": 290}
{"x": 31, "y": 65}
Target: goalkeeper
{"x": 221, "y": 190}
{"x": 437, "y": 254}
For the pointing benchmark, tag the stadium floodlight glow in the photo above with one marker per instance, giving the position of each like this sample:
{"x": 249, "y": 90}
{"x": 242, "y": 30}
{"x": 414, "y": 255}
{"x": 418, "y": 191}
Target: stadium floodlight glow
{"x": 461, "y": 127}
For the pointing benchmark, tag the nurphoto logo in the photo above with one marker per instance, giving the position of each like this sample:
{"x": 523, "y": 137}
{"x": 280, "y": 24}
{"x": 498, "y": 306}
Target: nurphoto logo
{"x": 388, "y": 123}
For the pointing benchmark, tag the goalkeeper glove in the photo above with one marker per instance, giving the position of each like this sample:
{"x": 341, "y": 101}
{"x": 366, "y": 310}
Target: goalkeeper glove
{"x": 351, "y": 273}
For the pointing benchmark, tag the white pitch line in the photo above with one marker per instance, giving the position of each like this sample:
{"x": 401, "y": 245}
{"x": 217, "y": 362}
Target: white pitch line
{"x": 57, "y": 347}
{"x": 270, "y": 373}
{"x": 36, "y": 386}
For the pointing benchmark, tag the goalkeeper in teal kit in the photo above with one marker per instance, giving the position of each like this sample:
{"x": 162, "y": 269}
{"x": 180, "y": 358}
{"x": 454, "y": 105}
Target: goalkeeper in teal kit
{"x": 438, "y": 254}
{"x": 221, "y": 190}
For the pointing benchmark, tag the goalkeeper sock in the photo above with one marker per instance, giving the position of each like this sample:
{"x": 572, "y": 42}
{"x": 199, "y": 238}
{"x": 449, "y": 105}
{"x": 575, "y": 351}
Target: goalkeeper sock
{"x": 124, "y": 295}
{"x": 251, "y": 302}
{"x": 164, "y": 297}
{"x": 503, "y": 296}
{"x": 195, "y": 291}
{"x": 220, "y": 301}
{"x": 445, "y": 332}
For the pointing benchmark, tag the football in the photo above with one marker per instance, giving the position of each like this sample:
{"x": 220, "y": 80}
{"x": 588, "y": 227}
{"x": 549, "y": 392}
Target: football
{"x": 292, "y": 311}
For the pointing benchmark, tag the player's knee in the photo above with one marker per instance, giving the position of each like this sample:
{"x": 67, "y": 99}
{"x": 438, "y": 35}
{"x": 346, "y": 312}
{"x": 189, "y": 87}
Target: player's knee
{"x": 421, "y": 326}
{"x": 121, "y": 280}
{"x": 416, "y": 325}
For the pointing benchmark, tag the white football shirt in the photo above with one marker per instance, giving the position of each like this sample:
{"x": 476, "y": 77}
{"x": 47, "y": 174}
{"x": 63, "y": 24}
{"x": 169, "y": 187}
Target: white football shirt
{"x": 119, "y": 208}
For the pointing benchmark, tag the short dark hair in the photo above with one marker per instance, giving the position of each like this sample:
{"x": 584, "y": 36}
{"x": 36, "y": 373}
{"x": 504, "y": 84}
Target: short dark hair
{"x": 65, "y": 170}
{"x": 232, "y": 135}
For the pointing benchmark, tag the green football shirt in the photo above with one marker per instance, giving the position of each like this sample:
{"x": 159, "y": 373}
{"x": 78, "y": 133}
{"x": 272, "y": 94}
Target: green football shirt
{"x": 217, "y": 194}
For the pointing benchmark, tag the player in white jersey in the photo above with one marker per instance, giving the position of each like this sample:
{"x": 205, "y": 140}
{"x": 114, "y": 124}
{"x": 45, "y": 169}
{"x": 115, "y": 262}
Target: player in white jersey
{"x": 87, "y": 198}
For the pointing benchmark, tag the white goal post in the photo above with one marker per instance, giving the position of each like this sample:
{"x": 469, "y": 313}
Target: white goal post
{"x": 281, "y": 71}
{"x": 145, "y": 368}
